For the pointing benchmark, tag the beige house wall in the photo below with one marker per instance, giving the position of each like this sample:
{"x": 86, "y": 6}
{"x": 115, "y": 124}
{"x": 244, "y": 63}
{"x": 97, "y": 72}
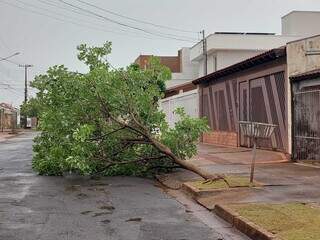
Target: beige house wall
{"x": 302, "y": 56}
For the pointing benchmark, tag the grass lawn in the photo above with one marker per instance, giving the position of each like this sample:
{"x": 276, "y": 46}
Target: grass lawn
{"x": 290, "y": 221}
{"x": 234, "y": 181}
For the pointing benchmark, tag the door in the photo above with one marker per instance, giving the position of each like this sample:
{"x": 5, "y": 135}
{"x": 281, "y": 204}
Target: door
{"x": 306, "y": 125}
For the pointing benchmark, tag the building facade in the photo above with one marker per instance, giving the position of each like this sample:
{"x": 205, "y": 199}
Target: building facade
{"x": 183, "y": 70}
{"x": 223, "y": 52}
{"x": 9, "y": 116}
{"x": 252, "y": 90}
{"x": 304, "y": 72}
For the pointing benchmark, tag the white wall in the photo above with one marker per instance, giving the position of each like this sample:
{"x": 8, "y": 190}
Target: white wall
{"x": 302, "y": 23}
{"x": 239, "y": 42}
{"x": 188, "y": 100}
{"x": 225, "y": 58}
{"x": 189, "y": 70}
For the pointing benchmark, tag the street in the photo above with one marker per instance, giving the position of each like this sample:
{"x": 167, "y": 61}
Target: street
{"x": 38, "y": 207}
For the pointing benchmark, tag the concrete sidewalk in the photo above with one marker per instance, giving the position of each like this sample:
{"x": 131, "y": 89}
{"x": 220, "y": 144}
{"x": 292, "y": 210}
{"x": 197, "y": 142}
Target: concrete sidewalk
{"x": 233, "y": 155}
{"x": 285, "y": 181}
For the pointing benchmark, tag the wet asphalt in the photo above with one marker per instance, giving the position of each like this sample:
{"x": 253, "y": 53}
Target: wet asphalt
{"x": 57, "y": 208}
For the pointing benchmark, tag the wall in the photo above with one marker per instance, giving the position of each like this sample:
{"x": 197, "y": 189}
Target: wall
{"x": 227, "y": 58}
{"x": 188, "y": 100}
{"x": 301, "y": 23}
{"x": 8, "y": 120}
{"x": 302, "y": 56}
{"x": 227, "y": 52}
{"x": 243, "y": 42}
{"x": 299, "y": 61}
{"x": 188, "y": 71}
{"x": 223, "y": 58}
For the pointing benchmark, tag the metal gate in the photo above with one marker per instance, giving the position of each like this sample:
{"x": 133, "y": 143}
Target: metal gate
{"x": 306, "y": 125}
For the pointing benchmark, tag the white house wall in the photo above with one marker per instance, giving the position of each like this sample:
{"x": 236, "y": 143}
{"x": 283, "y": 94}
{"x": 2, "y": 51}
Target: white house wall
{"x": 217, "y": 42}
{"x": 303, "y": 23}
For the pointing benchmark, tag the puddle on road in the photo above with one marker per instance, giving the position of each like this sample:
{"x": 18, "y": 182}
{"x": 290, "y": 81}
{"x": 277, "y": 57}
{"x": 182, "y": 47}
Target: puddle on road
{"x": 106, "y": 207}
{"x": 101, "y": 214}
{"x": 138, "y": 219}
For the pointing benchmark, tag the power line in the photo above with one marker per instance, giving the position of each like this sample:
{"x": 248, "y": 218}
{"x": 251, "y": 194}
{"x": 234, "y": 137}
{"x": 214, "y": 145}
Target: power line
{"x": 179, "y": 38}
{"x": 68, "y": 21}
{"x": 135, "y": 19}
{"x": 63, "y": 8}
{"x": 79, "y": 11}
{"x": 125, "y": 32}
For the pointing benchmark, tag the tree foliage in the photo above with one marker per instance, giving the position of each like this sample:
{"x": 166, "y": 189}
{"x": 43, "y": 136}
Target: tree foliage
{"x": 31, "y": 108}
{"x": 107, "y": 121}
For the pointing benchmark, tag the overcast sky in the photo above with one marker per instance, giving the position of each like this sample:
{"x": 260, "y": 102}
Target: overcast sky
{"x": 45, "y": 41}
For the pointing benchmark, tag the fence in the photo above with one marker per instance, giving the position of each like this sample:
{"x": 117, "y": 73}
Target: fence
{"x": 188, "y": 100}
{"x": 306, "y": 125}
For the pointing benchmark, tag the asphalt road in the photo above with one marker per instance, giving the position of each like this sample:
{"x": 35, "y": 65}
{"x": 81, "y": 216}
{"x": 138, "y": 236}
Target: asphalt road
{"x": 121, "y": 208}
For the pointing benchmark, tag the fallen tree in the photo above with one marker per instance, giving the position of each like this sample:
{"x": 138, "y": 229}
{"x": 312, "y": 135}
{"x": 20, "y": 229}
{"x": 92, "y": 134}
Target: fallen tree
{"x": 108, "y": 121}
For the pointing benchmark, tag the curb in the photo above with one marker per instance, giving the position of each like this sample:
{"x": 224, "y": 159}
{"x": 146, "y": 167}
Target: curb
{"x": 242, "y": 224}
{"x": 194, "y": 192}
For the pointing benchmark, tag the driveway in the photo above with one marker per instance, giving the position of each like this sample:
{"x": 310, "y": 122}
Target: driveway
{"x": 123, "y": 208}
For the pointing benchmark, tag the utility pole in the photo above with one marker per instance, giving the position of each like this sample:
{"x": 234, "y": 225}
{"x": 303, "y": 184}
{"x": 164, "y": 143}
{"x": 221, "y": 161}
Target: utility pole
{"x": 25, "y": 66}
{"x": 204, "y": 52}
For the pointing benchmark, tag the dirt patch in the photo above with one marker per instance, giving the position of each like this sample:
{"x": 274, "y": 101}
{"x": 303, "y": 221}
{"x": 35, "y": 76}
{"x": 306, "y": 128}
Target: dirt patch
{"x": 290, "y": 221}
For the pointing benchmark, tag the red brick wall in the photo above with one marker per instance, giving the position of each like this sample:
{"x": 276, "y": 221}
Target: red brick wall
{"x": 221, "y": 138}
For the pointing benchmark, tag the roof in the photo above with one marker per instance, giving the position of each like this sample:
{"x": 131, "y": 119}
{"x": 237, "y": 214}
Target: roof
{"x": 307, "y": 75}
{"x": 245, "y": 33}
{"x": 179, "y": 86}
{"x": 265, "y": 57}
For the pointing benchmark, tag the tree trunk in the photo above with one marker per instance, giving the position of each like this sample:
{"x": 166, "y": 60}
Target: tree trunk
{"x": 185, "y": 164}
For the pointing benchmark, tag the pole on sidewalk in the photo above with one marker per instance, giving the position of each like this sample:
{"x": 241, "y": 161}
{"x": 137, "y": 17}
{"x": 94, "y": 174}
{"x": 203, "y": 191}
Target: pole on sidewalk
{"x": 253, "y": 159}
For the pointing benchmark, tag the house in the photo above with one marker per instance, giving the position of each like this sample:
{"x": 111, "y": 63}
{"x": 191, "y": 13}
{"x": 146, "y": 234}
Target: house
{"x": 8, "y": 117}
{"x": 226, "y": 48}
{"x": 183, "y": 70}
{"x": 221, "y": 52}
{"x": 251, "y": 90}
{"x": 303, "y": 57}
{"x": 280, "y": 86}
{"x": 301, "y": 23}
{"x": 183, "y": 73}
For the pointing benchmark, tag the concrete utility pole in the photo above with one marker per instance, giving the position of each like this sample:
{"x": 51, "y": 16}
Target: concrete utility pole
{"x": 25, "y": 66}
{"x": 204, "y": 51}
